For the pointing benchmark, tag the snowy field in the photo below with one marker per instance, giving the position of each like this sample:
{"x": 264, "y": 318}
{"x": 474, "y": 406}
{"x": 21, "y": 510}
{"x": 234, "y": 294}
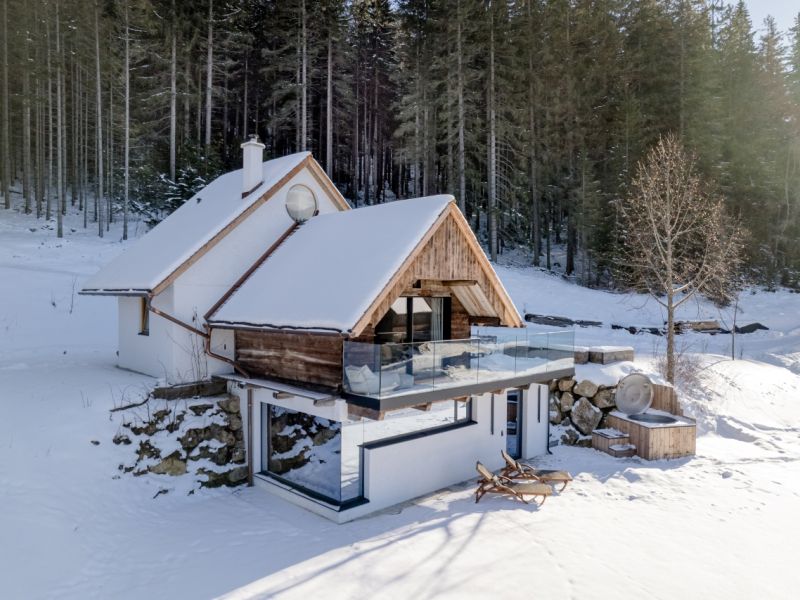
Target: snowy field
{"x": 723, "y": 525}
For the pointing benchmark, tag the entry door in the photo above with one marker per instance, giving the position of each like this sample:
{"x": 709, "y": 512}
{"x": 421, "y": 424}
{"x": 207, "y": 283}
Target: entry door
{"x": 514, "y": 423}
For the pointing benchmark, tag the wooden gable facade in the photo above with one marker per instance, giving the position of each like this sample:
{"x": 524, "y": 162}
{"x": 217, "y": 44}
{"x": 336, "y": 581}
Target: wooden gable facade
{"x": 447, "y": 262}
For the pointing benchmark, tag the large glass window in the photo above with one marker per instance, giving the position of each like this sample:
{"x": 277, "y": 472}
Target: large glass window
{"x": 415, "y": 319}
{"x": 303, "y": 449}
{"x": 324, "y": 457}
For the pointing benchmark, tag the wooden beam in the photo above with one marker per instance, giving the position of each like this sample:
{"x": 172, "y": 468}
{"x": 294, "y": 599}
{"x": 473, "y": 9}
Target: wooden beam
{"x": 322, "y": 178}
{"x": 513, "y": 315}
{"x": 359, "y": 412}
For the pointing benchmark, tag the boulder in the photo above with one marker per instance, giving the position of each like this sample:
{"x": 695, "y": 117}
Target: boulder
{"x": 233, "y": 477}
{"x": 200, "y": 409}
{"x": 229, "y": 404}
{"x": 238, "y": 456}
{"x": 585, "y": 416}
{"x": 160, "y": 415}
{"x": 570, "y": 436}
{"x": 585, "y": 388}
{"x": 604, "y": 398}
{"x": 171, "y": 465}
{"x": 193, "y": 437}
{"x": 234, "y": 422}
{"x": 218, "y": 456}
{"x": 553, "y": 385}
{"x": 237, "y": 475}
{"x": 567, "y": 401}
{"x": 566, "y": 385}
{"x": 147, "y": 450}
{"x": 121, "y": 438}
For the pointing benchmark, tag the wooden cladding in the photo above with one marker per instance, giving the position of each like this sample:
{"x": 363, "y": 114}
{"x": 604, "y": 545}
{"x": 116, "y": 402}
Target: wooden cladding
{"x": 656, "y": 443}
{"x": 448, "y": 256}
{"x": 301, "y": 357}
{"x": 665, "y": 398}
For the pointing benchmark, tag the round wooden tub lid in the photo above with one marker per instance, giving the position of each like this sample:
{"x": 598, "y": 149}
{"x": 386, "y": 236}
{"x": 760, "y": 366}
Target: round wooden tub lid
{"x": 634, "y": 394}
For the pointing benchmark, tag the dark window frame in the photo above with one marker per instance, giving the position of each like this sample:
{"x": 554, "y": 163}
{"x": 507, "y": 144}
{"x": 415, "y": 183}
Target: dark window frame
{"x": 144, "y": 316}
{"x": 266, "y": 443}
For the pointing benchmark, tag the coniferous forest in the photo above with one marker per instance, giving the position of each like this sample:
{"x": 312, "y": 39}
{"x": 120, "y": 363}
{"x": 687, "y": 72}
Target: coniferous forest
{"x": 533, "y": 113}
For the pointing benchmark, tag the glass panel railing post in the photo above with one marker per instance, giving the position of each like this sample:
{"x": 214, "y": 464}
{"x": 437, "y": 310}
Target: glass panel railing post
{"x": 378, "y": 363}
{"x": 516, "y": 351}
{"x": 436, "y": 367}
{"x": 478, "y": 362}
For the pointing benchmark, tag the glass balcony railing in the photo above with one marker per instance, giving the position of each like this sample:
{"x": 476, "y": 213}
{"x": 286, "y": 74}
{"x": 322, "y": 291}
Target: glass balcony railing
{"x": 491, "y": 354}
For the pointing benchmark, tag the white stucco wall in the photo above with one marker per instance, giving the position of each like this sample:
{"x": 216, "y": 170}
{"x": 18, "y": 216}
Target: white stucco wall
{"x": 151, "y": 354}
{"x": 409, "y": 469}
{"x": 535, "y": 414}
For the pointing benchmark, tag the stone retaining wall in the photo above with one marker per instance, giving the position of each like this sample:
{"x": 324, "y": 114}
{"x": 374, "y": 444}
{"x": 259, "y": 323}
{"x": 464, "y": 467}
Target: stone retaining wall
{"x": 199, "y": 436}
{"x": 577, "y": 408}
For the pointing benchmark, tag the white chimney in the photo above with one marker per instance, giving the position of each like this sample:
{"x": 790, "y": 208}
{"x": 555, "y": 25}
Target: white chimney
{"x": 252, "y": 160}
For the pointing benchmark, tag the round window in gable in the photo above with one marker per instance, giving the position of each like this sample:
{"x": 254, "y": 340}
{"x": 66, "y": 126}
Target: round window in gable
{"x": 301, "y": 204}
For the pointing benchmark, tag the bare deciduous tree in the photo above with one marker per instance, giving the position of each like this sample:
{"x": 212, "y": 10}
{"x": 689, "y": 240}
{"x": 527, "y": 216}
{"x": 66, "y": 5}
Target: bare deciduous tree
{"x": 678, "y": 239}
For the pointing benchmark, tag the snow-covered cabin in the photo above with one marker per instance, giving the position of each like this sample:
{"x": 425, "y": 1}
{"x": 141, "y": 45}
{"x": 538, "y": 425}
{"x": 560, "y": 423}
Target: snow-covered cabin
{"x": 375, "y": 351}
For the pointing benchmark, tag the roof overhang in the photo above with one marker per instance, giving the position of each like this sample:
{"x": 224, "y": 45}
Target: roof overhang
{"x": 134, "y": 293}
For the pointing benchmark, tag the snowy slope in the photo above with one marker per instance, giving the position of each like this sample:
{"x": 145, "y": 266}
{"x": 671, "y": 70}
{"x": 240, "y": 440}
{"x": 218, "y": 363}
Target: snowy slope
{"x": 723, "y": 525}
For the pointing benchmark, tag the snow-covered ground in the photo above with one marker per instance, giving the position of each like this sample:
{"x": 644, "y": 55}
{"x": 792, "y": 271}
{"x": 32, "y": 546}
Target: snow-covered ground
{"x": 722, "y": 525}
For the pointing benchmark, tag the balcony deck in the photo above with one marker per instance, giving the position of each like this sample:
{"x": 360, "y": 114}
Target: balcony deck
{"x": 391, "y": 376}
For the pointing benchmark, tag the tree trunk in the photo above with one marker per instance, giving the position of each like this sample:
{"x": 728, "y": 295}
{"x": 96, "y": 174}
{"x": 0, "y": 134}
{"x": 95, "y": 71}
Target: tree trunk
{"x": 670, "y": 336}
{"x": 535, "y": 205}
{"x": 244, "y": 111}
{"x": 303, "y": 83}
{"x": 209, "y": 71}
{"x": 6, "y": 147}
{"x": 49, "y": 190}
{"x": 173, "y": 94}
{"x": 127, "y": 142}
{"x": 99, "y": 93}
{"x": 492, "y": 204}
{"x": 462, "y": 176}
{"x": 59, "y": 134}
{"x": 26, "y": 134}
{"x": 329, "y": 111}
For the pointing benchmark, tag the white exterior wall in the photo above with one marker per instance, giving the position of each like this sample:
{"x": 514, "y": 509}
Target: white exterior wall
{"x": 406, "y": 470}
{"x": 535, "y": 415}
{"x": 149, "y": 354}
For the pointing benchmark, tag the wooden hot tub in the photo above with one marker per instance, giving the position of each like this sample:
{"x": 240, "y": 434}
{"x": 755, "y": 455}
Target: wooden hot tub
{"x": 657, "y": 434}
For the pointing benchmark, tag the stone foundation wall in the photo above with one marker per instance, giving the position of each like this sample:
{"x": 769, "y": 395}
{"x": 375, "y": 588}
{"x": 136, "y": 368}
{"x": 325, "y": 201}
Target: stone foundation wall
{"x": 577, "y": 408}
{"x": 200, "y": 436}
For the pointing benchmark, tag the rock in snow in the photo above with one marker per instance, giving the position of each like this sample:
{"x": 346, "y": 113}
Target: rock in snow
{"x": 585, "y": 416}
{"x": 585, "y": 388}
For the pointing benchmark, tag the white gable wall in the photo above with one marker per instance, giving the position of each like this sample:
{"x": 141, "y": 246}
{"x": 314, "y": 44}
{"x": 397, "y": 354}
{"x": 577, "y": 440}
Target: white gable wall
{"x": 175, "y": 353}
{"x": 150, "y": 354}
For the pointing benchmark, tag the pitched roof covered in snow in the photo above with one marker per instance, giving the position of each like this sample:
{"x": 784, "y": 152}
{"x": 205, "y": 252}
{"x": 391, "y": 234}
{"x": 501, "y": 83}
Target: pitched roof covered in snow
{"x": 330, "y": 271}
{"x": 208, "y": 215}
